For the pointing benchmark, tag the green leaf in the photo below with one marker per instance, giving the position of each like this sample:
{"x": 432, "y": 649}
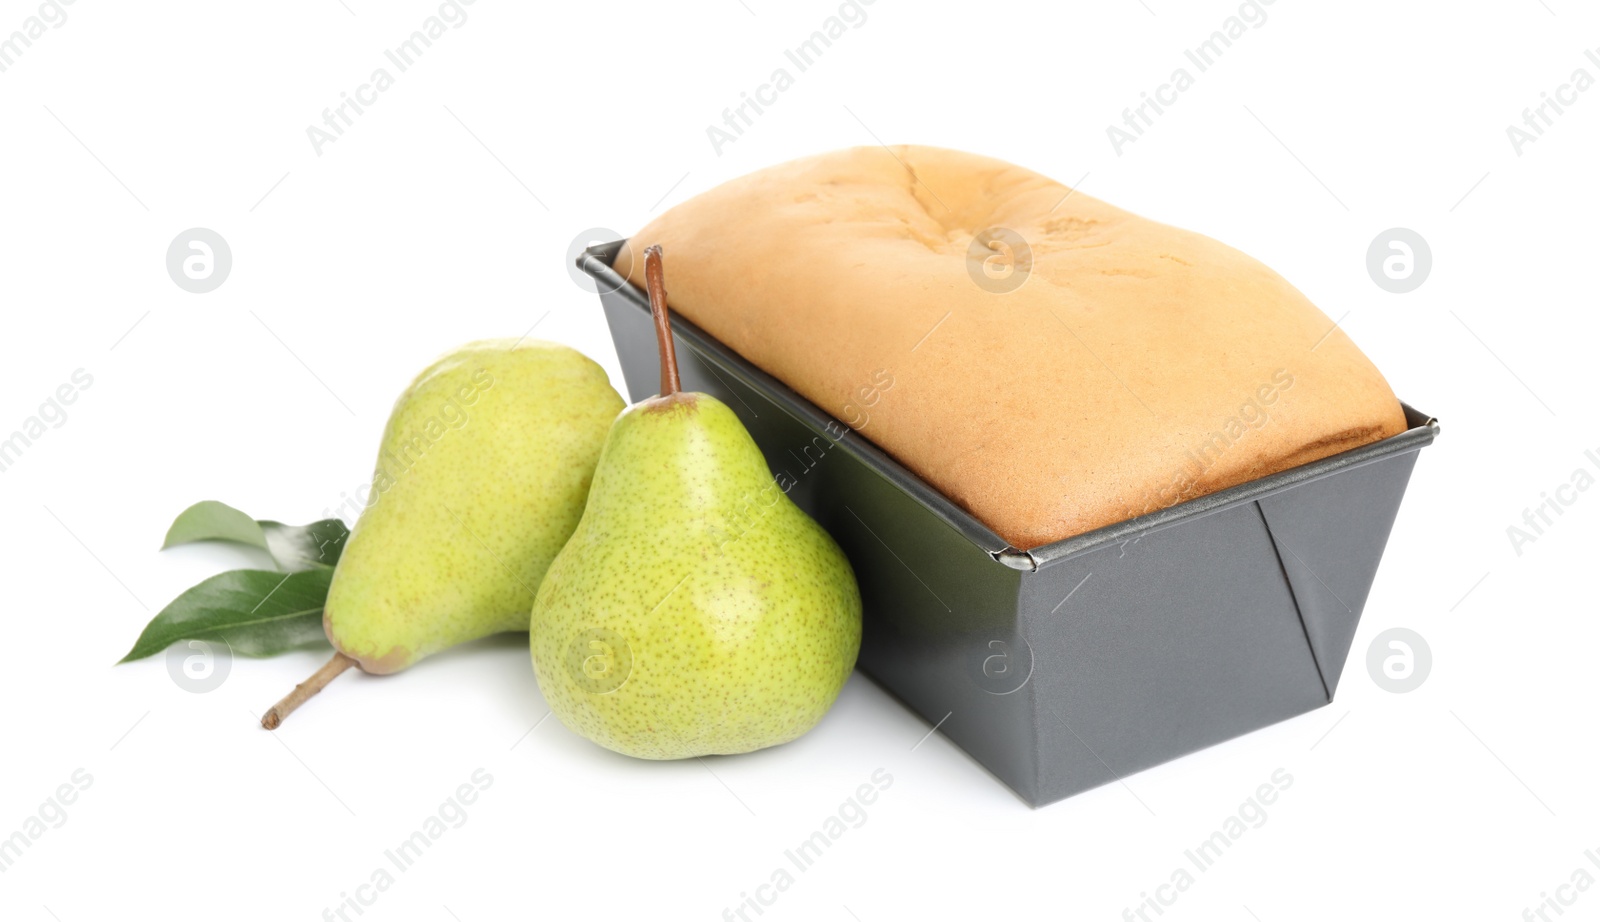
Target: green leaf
{"x": 293, "y": 547}
{"x": 303, "y": 547}
{"x": 210, "y": 520}
{"x": 256, "y": 612}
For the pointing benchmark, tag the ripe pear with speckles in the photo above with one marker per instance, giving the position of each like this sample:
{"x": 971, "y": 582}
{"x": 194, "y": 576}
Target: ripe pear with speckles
{"x": 696, "y": 610}
{"x": 481, "y": 478}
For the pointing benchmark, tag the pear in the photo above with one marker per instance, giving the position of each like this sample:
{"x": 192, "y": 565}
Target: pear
{"x": 696, "y": 610}
{"x": 481, "y": 478}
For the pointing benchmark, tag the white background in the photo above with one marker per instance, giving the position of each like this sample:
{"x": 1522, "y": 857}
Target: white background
{"x": 420, "y": 229}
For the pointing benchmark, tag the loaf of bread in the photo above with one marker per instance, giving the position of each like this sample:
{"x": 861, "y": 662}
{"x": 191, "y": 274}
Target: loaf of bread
{"x": 1050, "y": 363}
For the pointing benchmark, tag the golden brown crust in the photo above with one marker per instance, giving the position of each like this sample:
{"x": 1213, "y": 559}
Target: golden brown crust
{"x": 1137, "y": 366}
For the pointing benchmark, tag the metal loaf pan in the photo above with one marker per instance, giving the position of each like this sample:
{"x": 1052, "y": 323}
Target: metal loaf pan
{"x": 1073, "y": 664}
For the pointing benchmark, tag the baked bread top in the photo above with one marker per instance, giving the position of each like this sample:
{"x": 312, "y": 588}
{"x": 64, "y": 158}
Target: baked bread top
{"x": 1135, "y": 366}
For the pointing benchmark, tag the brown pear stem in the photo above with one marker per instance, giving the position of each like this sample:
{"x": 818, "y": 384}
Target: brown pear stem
{"x": 303, "y": 692}
{"x": 658, "y": 311}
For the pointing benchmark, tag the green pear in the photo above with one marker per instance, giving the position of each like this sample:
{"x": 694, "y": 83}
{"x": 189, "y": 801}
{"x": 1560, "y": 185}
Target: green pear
{"x": 481, "y": 478}
{"x": 696, "y": 610}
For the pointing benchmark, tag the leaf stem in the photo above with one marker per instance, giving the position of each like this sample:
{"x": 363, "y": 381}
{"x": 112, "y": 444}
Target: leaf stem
{"x": 657, "y": 288}
{"x": 303, "y": 692}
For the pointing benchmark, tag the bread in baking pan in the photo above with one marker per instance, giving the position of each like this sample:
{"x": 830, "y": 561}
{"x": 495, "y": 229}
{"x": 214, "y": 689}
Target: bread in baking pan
{"x": 1049, "y": 362}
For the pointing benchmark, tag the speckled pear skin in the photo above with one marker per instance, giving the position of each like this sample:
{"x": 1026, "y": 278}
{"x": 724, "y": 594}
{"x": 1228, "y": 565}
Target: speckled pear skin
{"x": 481, "y": 478}
{"x": 696, "y": 610}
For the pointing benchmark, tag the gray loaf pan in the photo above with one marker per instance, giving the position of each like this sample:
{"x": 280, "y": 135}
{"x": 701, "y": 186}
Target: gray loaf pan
{"x": 1070, "y": 665}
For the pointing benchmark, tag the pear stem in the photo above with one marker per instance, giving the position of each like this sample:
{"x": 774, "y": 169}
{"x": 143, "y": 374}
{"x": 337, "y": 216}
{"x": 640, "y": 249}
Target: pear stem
{"x": 303, "y": 692}
{"x": 657, "y": 288}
